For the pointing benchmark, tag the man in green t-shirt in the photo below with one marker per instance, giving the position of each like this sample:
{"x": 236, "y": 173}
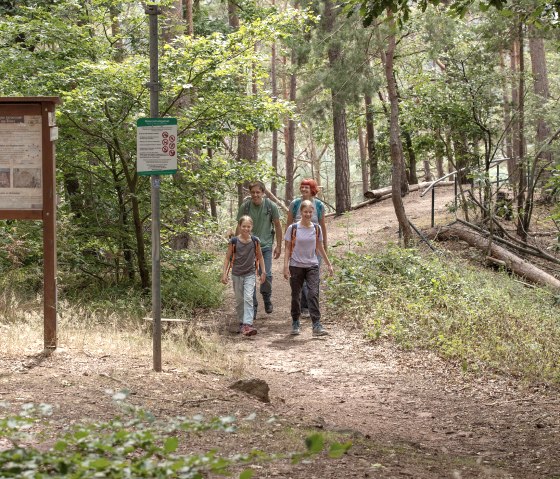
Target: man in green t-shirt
{"x": 266, "y": 226}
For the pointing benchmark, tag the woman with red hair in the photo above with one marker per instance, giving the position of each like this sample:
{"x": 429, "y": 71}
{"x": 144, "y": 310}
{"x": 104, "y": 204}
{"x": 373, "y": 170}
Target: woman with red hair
{"x": 308, "y": 189}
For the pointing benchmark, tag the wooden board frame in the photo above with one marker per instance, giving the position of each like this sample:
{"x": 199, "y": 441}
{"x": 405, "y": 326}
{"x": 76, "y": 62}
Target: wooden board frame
{"x": 41, "y": 106}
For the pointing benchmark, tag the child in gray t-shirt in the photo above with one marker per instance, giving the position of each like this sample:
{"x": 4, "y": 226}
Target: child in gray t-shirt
{"x": 244, "y": 258}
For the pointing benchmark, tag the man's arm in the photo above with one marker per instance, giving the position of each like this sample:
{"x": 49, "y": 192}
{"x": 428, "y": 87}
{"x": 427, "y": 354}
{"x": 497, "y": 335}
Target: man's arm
{"x": 278, "y": 233}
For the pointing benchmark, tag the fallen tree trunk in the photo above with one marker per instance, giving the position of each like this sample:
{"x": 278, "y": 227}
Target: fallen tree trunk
{"x": 386, "y": 193}
{"x": 365, "y": 203}
{"x": 373, "y": 194}
{"x": 496, "y": 254}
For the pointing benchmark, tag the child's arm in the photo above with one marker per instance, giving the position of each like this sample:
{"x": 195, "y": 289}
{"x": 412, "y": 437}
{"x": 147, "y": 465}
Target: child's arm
{"x": 323, "y": 254}
{"x": 226, "y": 263}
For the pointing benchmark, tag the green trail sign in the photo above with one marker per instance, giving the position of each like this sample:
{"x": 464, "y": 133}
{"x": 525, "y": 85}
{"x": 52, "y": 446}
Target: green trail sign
{"x": 156, "y": 146}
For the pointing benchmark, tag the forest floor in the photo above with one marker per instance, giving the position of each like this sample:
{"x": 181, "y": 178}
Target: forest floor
{"x": 407, "y": 413}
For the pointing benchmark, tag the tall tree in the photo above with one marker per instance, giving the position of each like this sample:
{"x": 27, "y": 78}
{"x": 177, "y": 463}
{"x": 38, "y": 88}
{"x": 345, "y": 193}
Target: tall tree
{"x": 524, "y": 208}
{"x": 387, "y": 58}
{"x": 370, "y": 141}
{"x": 340, "y": 131}
{"x": 541, "y": 89}
{"x": 274, "y": 88}
{"x": 363, "y": 159}
{"x": 290, "y": 130}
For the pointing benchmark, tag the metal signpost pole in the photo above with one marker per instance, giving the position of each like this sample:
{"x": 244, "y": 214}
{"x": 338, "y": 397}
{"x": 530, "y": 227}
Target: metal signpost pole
{"x": 153, "y": 11}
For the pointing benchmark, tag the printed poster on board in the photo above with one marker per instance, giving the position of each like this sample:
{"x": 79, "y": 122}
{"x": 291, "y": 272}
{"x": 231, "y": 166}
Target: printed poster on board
{"x": 21, "y": 169}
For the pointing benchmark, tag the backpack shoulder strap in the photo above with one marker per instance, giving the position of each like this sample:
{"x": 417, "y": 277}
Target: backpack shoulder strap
{"x": 317, "y": 229}
{"x": 233, "y": 242}
{"x": 293, "y": 238}
{"x": 295, "y": 208}
{"x": 268, "y": 204}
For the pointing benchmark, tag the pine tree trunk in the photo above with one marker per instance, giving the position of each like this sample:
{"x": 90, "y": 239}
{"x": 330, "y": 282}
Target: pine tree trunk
{"x": 274, "y": 86}
{"x": 513, "y": 166}
{"x": 246, "y": 142}
{"x": 427, "y": 170}
{"x": 542, "y": 91}
{"x": 461, "y": 148}
{"x": 340, "y": 132}
{"x": 449, "y": 153}
{"x": 412, "y": 177}
{"x": 439, "y": 157}
{"x": 395, "y": 137}
{"x": 290, "y": 136}
{"x": 315, "y": 157}
{"x": 173, "y": 25}
{"x": 233, "y": 19}
{"x": 189, "y": 17}
{"x": 507, "y": 114}
{"x": 523, "y": 213}
{"x": 343, "y": 200}
{"x": 363, "y": 160}
{"x": 372, "y": 152}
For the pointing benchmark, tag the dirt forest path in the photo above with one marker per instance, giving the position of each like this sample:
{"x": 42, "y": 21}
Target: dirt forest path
{"x": 409, "y": 414}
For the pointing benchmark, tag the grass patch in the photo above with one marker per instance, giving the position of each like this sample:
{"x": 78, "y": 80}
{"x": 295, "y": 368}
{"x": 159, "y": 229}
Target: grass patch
{"x": 481, "y": 318}
{"x": 108, "y": 318}
{"x": 102, "y": 332}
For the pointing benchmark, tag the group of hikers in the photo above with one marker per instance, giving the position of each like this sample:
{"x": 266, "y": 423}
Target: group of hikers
{"x": 250, "y": 253}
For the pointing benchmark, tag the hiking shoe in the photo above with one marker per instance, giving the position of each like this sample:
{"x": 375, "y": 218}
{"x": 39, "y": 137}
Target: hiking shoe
{"x": 268, "y": 308}
{"x": 295, "y": 328}
{"x": 248, "y": 330}
{"x": 305, "y": 313}
{"x": 319, "y": 331}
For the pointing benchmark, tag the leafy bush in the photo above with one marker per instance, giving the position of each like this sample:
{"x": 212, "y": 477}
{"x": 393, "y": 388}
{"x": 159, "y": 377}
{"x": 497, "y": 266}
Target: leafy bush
{"x": 481, "y": 318}
{"x": 190, "y": 280}
{"x": 133, "y": 446}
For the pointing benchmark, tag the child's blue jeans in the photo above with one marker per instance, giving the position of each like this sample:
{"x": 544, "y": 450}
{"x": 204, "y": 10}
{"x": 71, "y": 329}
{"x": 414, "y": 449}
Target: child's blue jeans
{"x": 243, "y": 287}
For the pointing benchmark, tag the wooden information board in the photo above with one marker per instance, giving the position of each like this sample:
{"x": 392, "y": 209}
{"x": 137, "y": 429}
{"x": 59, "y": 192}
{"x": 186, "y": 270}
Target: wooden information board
{"x": 27, "y": 182}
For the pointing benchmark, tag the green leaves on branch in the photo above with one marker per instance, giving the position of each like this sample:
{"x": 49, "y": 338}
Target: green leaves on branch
{"x": 374, "y": 9}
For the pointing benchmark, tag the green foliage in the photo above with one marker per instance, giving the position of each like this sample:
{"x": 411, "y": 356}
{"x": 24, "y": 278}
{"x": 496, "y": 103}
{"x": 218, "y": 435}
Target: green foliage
{"x": 373, "y": 9}
{"x": 21, "y": 257}
{"x": 96, "y": 60}
{"x": 190, "y": 281}
{"x": 479, "y": 318}
{"x": 134, "y": 444}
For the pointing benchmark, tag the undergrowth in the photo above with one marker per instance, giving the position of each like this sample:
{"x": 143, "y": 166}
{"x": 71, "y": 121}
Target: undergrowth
{"x": 132, "y": 445}
{"x": 481, "y": 318}
{"x": 189, "y": 283}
